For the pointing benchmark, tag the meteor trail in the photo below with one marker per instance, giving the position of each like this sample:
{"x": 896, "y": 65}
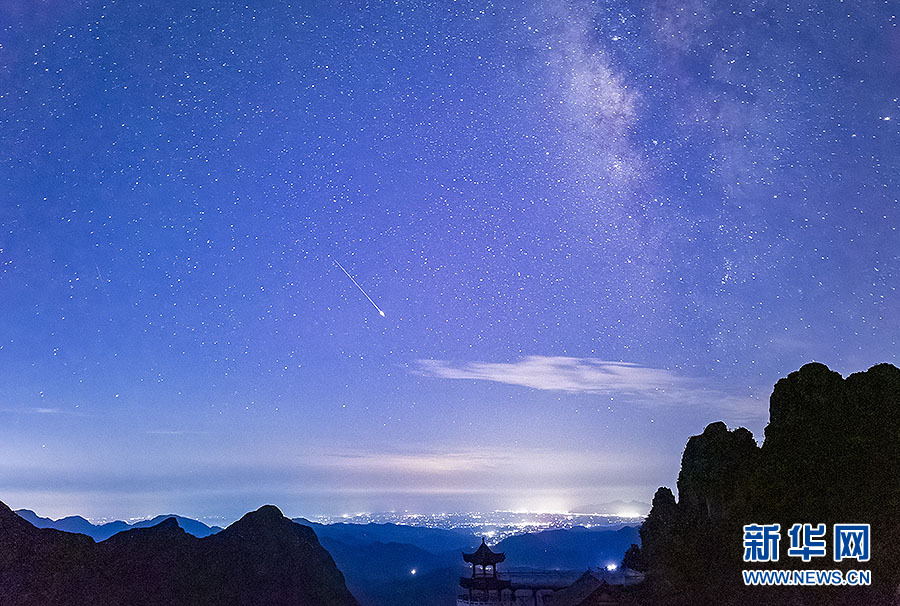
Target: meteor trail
{"x": 359, "y": 287}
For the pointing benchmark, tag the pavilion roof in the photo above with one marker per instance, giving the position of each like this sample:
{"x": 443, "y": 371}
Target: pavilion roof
{"x": 484, "y": 556}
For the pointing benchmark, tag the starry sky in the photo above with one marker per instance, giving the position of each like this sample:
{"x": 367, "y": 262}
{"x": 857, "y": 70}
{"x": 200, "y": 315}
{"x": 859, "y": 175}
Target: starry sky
{"x": 593, "y": 228}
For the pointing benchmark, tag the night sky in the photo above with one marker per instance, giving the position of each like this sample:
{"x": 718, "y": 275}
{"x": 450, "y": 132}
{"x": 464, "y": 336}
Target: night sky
{"x": 593, "y": 228}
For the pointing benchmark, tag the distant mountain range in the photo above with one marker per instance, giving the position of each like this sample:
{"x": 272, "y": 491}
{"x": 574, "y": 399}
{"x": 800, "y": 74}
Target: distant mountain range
{"x": 572, "y": 549}
{"x": 435, "y": 540}
{"x": 263, "y": 559}
{"x": 101, "y": 532}
{"x": 420, "y": 566}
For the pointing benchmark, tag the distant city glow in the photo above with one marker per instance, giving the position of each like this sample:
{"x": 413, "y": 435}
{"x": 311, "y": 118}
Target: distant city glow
{"x": 493, "y": 526}
{"x": 629, "y": 514}
{"x": 543, "y": 505}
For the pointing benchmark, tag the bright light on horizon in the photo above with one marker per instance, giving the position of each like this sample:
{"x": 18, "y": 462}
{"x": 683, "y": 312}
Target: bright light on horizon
{"x": 628, "y": 514}
{"x": 542, "y": 506}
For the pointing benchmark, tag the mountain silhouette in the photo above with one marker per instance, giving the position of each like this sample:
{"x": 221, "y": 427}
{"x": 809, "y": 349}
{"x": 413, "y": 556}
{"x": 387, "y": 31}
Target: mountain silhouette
{"x": 101, "y": 532}
{"x": 434, "y": 540}
{"x": 570, "y": 549}
{"x": 378, "y": 559}
{"x": 263, "y": 559}
{"x": 831, "y": 455}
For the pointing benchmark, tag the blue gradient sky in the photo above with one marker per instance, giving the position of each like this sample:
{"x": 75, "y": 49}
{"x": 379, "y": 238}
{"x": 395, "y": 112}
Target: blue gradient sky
{"x": 593, "y": 228}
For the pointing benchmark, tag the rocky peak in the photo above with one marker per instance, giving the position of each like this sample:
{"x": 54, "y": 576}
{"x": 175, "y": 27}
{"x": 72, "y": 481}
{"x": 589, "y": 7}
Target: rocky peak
{"x": 263, "y": 559}
{"x": 714, "y": 468}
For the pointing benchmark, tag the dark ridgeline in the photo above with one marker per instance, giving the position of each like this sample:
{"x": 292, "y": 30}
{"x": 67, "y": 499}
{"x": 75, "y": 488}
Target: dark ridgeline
{"x": 263, "y": 559}
{"x": 377, "y": 558}
{"x": 102, "y": 532}
{"x": 831, "y": 455}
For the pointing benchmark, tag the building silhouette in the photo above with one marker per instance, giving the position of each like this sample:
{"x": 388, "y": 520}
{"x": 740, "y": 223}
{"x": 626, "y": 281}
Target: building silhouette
{"x": 487, "y": 586}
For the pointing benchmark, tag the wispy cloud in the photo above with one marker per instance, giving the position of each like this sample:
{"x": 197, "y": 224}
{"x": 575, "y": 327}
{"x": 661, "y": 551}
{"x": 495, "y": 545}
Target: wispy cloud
{"x": 584, "y": 375}
{"x": 38, "y": 411}
{"x": 645, "y": 384}
{"x": 509, "y": 466}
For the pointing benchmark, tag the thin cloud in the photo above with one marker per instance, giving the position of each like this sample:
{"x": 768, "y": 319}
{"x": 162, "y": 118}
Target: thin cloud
{"x": 644, "y": 384}
{"x": 38, "y": 411}
{"x": 559, "y": 373}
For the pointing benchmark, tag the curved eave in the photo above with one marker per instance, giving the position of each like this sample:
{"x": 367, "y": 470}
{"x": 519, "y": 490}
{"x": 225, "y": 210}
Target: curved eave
{"x": 484, "y": 559}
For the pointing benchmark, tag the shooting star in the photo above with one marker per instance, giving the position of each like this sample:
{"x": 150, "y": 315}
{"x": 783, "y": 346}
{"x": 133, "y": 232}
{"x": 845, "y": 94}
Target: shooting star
{"x": 359, "y": 287}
